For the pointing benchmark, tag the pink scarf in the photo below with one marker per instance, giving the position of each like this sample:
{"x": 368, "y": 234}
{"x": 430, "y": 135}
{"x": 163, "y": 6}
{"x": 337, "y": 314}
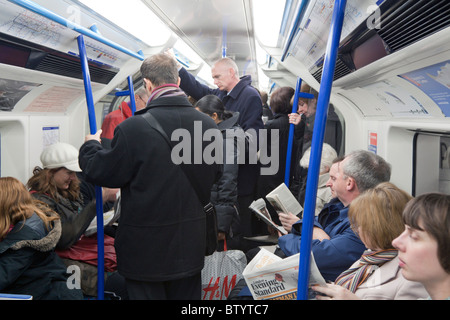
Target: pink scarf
{"x": 166, "y": 90}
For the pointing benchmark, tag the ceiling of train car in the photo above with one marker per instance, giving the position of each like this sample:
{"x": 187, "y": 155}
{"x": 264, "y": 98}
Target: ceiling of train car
{"x": 211, "y": 26}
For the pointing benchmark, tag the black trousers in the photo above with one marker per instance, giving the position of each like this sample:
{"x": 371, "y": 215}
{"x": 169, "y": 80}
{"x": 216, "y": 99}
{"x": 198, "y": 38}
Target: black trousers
{"x": 182, "y": 289}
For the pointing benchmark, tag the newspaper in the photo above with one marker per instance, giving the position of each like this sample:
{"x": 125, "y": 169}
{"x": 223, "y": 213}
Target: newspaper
{"x": 259, "y": 208}
{"x": 282, "y": 200}
{"x": 270, "y": 277}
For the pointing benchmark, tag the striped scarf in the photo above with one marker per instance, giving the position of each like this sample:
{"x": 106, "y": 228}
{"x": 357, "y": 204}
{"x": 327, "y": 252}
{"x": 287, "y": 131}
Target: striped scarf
{"x": 368, "y": 263}
{"x": 166, "y": 90}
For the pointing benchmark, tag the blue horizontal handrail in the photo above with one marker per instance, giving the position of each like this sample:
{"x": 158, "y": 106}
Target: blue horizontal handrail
{"x": 129, "y": 92}
{"x": 297, "y": 21}
{"x": 29, "y": 5}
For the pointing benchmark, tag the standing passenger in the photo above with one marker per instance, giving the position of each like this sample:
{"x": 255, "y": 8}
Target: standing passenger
{"x": 237, "y": 94}
{"x": 267, "y": 111}
{"x": 160, "y": 240}
{"x": 277, "y": 137}
{"x": 115, "y": 117}
{"x": 280, "y": 103}
{"x": 224, "y": 192}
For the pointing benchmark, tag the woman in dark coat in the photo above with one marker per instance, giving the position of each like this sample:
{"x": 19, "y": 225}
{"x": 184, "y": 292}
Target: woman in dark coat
{"x": 224, "y": 192}
{"x": 281, "y": 107}
{"x": 29, "y": 232}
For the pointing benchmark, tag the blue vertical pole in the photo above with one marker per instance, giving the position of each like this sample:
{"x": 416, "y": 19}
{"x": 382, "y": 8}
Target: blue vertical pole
{"x": 297, "y": 95}
{"x": 316, "y": 147}
{"x": 287, "y": 170}
{"x": 98, "y": 190}
{"x": 132, "y": 98}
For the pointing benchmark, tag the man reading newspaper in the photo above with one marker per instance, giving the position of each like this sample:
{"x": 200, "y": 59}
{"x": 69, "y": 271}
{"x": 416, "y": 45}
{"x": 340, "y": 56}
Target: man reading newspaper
{"x": 335, "y": 246}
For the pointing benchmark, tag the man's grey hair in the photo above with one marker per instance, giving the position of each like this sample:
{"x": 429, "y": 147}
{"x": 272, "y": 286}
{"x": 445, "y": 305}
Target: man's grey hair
{"x": 367, "y": 168}
{"x": 160, "y": 69}
{"x": 230, "y": 64}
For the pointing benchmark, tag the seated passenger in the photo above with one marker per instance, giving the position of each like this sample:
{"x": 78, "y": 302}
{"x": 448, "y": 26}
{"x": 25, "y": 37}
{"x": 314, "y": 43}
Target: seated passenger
{"x": 224, "y": 191}
{"x": 335, "y": 246}
{"x": 29, "y": 231}
{"x": 423, "y": 248}
{"x": 57, "y": 185}
{"x": 376, "y": 216}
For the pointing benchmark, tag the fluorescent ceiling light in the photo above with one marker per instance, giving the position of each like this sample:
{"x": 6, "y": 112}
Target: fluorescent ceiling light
{"x": 263, "y": 80}
{"x": 261, "y": 54}
{"x": 267, "y": 15}
{"x": 205, "y": 74}
{"x": 133, "y": 16}
{"x": 187, "y": 51}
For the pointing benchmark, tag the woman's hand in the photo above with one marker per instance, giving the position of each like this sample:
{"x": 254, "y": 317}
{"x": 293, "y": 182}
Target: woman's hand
{"x": 334, "y": 292}
{"x": 294, "y": 118}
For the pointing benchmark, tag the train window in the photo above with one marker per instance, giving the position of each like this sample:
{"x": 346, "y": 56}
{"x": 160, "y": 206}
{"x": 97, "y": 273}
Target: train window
{"x": 431, "y": 163}
{"x": 10, "y": 54}
{"x": 369, "y": 51}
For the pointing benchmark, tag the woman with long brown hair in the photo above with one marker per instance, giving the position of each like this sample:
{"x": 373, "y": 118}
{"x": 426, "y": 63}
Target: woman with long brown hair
{"x": 57, "y": 185}
{"x": 29, "y": 232}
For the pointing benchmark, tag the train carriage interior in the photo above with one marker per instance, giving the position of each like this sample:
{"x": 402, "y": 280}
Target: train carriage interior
{"x": 390, "y": 90}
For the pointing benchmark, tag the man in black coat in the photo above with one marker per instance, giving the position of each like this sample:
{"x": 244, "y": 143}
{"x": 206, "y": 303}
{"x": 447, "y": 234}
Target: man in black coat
{"x": 160, "y": 241}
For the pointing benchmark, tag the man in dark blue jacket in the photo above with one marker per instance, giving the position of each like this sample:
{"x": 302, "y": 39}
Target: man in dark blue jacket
{"x": 237, "y": 94}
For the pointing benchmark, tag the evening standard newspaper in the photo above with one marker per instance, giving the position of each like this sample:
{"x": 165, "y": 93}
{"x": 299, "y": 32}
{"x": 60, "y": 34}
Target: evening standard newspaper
{"x": 271, "y": 277}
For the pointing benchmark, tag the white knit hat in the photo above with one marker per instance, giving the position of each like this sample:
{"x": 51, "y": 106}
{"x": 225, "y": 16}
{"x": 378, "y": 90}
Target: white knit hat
{"x": 60, "y": 155}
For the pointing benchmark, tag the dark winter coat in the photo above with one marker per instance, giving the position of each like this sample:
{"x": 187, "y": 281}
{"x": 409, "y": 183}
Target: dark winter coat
{"x": 267, "y": 183}
{"x": 161, "y": 233}
{"x": 29, "y": 265}
{"x": 74, "y": 218}
{"x": 243, "y": 99}
{"x": 224, "y": 192}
